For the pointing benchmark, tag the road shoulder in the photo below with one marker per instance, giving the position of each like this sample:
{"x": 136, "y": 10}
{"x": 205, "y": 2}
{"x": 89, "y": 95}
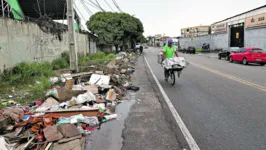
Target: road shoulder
{"x": 148, "y": 126}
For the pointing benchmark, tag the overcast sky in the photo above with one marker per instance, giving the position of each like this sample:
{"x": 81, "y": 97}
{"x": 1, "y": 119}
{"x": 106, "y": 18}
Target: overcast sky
{"x": 169, "y": 16}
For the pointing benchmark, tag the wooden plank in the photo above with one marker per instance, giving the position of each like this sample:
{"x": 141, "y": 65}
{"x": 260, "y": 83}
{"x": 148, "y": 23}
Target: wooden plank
{"x": 69, "y": 112}
{"x": 79, "y": 74}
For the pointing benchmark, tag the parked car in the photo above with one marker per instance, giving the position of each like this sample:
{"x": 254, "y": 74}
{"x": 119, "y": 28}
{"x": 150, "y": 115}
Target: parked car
{"x": 183, "y": 50}
{"x": 191, "y": 50}
{"x": 225, "y": 53}
{"x": 249, "y": 55}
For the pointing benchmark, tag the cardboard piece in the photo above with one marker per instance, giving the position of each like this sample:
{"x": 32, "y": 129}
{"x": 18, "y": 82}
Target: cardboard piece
{"x": 50, "y": 102}
{"x": 64, "y": 94}
{"x": 69, "y": 84}
{"x": 99, "y": 72}
{"x": 111, "y": 95}
{"x": 99, "y": 79}
{"x": 92, "y": 88}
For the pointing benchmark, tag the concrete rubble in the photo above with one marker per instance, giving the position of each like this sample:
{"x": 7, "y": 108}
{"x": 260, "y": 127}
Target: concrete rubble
{"x": 70, "y": 111}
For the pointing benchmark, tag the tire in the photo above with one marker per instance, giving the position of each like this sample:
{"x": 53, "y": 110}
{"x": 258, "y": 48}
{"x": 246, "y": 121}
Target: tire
{"x": 262, "y": 64}
{"x": 172, "y": 76}
{"x": 230, "y": 59}
{"x": 227, "y": 58}
{"x": 219, "y": 57}
{"x": 244, "y": 61}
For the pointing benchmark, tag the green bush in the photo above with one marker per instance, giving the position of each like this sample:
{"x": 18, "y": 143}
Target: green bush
{"x": 60, "y": 63}
{"x": 83, "y": 60}
{"x": 39, "y": 89}
{"x": 66, "y": 56}
{"x": 110, "y": 56}
{"x": 97, "y": 56}
{"x": 25, "y": 72}
{"x": 198, "y": 49}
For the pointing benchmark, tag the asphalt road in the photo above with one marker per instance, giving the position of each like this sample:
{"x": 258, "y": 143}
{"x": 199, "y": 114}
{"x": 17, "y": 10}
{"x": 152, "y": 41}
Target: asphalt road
{"x": 222, "y": 104}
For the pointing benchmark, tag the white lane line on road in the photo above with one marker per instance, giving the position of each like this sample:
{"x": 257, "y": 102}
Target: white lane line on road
{"x": 190, "y": 140}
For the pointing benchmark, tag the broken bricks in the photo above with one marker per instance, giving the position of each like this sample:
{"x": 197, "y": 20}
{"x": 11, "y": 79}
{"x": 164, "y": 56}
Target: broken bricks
{"x": 93, "y": 97}
{"x": 52, "y": 133}
{"x": 68, "y": 130}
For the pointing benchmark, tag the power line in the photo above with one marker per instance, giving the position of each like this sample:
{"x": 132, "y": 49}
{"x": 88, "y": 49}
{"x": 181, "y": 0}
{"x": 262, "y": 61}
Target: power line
{"x": 81, "y": 15}
{"x": 117, "y": 6}
{"x": 109, "y": 5}
{"x": 87, "y": 9}
{"x": 100, "y": 6}
{"x": 93, "y": 5}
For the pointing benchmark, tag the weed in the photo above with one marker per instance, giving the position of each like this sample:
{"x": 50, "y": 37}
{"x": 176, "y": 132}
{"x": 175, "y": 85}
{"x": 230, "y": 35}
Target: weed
{"x": 60, "y": 63}
{"x": 83, "y": 60}
{"x": 27, "y": 72}
{"x": 198, "y": 49}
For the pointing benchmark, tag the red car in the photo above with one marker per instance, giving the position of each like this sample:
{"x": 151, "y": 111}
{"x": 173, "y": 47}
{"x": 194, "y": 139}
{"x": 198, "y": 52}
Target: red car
{"x": 249, "y": 55}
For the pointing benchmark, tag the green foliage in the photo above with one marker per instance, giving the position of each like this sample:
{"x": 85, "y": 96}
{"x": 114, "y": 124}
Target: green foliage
{"x": 115, "y": 28}
{"x": 25, "y": 72}
{"x": 66, "y": 56}
{"x": 38, "y": 90}
{"x": 96, "y": 58}
{"x": 83, "y": 60}
{"x": 98, "y": 55}
{"x": 60, "y": 63}
{"x": 110, "y": 56}
{"x": 198, "y": 49}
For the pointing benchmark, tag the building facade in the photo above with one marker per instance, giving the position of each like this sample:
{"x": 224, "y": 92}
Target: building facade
{"x": 195, "y": 31}
{"x": 243, "y": 30}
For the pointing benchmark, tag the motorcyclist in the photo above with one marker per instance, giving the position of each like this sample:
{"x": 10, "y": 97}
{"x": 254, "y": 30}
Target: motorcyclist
{"x": 169, "y": 51}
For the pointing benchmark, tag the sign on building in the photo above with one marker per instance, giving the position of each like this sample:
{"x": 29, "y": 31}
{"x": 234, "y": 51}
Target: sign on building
{"x": 256, "y": 21}
{"x": 219, "y": 28}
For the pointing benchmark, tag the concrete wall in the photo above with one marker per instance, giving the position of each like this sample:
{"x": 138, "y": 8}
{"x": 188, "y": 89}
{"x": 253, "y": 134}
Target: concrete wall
{"x": 255, "y": 38}
{"x": 216, "y": 41}
{"x": 21, "y": 41}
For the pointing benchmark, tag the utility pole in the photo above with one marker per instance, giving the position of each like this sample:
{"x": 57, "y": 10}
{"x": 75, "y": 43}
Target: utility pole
{"x": 71, "y": 36}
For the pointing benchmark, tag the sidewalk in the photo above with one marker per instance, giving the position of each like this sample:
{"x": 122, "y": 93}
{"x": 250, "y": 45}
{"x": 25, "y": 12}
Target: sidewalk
{"x": 146, "y": 127}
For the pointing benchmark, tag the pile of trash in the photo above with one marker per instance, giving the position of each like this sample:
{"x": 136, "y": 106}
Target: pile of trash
{"x": 70, "y": 111}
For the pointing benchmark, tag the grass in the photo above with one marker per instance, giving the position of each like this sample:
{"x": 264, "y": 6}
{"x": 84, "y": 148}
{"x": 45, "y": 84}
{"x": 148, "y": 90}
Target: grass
{"x": 198, "y": 49}
{"x": 96, "y": 58}
{"x": 33, "y": 78}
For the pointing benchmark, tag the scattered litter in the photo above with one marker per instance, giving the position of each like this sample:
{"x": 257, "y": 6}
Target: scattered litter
{"x": 50, "y": 102}
{"x": 52, "y": 134}
{"x": 69, "y": 84}
{"x": 110, "y": 117}
{"x": 133, "y": 88}
{"x": 54, "y": 79}
{"x": 99, "y": 79}
{"x": 68, "y": 111}
{"x": 88, "y": 96}
{"x": 111, "y": 95}
{"x": 91, "y": 88}
{"x": 99, "y": 72}
{"x": 68, "y": 130}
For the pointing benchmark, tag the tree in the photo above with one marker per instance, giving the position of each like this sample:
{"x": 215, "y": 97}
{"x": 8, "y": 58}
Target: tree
{"x": 116, "y": 29}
